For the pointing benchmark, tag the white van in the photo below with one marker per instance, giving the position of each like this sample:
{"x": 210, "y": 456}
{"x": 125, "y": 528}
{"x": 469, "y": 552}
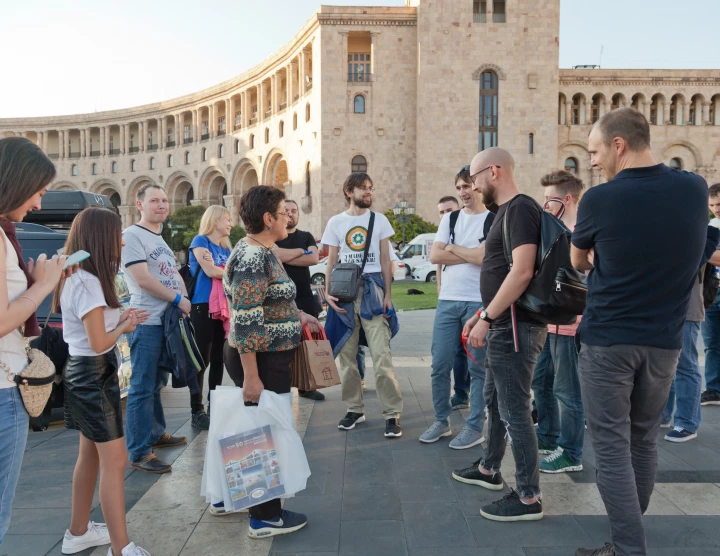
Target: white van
{"x": 417, "y": 251}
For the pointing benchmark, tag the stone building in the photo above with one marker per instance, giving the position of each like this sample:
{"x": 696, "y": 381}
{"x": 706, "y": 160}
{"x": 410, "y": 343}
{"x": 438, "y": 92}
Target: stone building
{"x": 408, "y": 94}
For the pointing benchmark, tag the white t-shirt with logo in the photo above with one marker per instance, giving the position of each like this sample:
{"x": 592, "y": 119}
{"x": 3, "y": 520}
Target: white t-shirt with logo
{"x": 461, "y": 282}
{"x": 349, "y": 233}
{"x": 81, "y": 294}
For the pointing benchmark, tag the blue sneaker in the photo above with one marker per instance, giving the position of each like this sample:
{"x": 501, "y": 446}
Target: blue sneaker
{"x": 679, "y": 434}
{"x": 287, "y": 522}
{"x": 458, "y": 403}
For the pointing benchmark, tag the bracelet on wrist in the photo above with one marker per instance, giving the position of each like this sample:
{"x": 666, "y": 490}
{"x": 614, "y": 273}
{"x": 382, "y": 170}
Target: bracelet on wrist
{"x": 178, "y": 299}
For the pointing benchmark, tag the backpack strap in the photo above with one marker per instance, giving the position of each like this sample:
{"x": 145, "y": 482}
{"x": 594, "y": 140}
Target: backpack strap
{"x": 505, "y": 234}
{"x": 488, "y": 224}
{"x": 371, "y": 225}
{"x": 454, "y": 215}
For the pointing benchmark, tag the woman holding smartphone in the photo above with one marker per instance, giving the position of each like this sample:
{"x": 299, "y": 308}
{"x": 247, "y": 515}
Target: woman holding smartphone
{"x": 92, "y": 325}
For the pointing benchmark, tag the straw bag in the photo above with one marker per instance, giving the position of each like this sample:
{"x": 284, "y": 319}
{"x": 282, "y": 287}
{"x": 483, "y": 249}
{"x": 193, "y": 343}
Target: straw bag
{"x": 35, "y": 382}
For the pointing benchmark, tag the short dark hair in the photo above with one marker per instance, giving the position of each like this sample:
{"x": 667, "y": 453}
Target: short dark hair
{"x": 255, "y": 203}
{"x": 566, "y": 182}
{"x": 463, "y": 174}
{"x": 144, "y": 188}
{"x": 291, "y": 201}
{"x": 353, "y": 181}
{"x": 628, "y": 123}
{"x": 24, "y": 170}
{"x": 448, "y": 199}
{"x": 714, "y": 190}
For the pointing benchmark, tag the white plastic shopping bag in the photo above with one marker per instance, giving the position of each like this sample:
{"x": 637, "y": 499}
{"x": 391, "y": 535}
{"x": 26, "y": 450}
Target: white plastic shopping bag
{"x": 253, "y": 454}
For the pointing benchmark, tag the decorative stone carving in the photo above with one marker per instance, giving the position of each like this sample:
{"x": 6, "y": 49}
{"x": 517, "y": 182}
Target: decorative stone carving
{"x": 478, "y": 72}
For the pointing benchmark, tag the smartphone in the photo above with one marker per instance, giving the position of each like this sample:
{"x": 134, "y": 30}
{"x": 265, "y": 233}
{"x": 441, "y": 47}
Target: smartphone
{"x": 76, "y": 257}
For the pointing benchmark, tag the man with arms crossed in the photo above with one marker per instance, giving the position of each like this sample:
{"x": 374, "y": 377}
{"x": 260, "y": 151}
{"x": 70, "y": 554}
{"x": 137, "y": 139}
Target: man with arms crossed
{"x": 637, "y": 304}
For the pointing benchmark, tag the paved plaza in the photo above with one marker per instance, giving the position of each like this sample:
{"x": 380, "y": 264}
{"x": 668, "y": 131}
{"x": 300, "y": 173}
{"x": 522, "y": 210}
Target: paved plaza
{"x": 369, "y": 495}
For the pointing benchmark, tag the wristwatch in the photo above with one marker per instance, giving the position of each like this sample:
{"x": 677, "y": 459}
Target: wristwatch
{"x": 484, "y": 316}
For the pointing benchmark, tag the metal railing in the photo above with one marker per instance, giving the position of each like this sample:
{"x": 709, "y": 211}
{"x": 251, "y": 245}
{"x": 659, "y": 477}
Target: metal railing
{"x": 295, "y": 97}
{"x": 152, "y": 148}
{"x": 359, "y": 77}
{"x": 238, "y": 126}
{"x": 253, "y": 120}
{"x": 170, "y": 144}
{"x": 134, "y": 150}
{"x": 74, "y": 155}
{"x": 113, "y": 152}
{"x": 220, "y": 133}
{"x": 282, "y": 106}
{"x": 204, "y": 137}
{"x": 53, "y": 156}
{"x": 187, "y": 140}
{"x": 498, "y": 18}
{"x": 94, "y": 153}
{"x": 308, "y": 86}
{"x": 480, "y": 17}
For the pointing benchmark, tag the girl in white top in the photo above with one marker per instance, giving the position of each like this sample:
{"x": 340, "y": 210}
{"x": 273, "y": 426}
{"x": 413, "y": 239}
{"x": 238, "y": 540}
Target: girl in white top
{"x": 92, "y": 325}
{"x": 25, "y": 173}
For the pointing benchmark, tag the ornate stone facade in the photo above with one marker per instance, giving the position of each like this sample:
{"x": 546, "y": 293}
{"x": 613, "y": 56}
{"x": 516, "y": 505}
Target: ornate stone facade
{"x": 410, "y": 93}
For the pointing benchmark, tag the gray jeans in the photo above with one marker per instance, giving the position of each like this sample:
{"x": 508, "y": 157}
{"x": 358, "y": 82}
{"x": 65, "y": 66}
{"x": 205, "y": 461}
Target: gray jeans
{"x": 508, "y": 399}
{"x": 624, "y": 390}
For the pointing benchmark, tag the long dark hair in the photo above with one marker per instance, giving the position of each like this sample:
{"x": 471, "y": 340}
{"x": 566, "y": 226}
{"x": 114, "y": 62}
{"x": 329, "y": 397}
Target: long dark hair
{"x": 98, "y": 231}
{"x": 24, "y": 170}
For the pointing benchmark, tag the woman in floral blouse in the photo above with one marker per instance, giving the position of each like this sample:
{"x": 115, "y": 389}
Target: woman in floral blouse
{"x": 265, "y": 326}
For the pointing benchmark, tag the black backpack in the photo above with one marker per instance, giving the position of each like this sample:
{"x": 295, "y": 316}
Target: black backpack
{"x": 710, "y": 283}
{"x": 188, "y": 277}
{"x": 556, "y": 294}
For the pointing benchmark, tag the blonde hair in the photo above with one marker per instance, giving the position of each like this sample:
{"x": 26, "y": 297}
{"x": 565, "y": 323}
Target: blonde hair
{"x": 209, "y": 220}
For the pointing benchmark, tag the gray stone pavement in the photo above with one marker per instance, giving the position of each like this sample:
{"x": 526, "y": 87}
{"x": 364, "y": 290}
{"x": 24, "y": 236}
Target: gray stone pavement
{"x": 369, "y": 495}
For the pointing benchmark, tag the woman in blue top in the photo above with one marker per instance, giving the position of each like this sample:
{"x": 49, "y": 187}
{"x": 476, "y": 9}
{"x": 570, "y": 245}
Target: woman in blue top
{"x": 209, "y": 251}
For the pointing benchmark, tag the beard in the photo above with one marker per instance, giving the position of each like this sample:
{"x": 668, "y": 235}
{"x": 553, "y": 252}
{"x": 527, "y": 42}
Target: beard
{"x": 291, "y": 224}
{"x": 488, "y": 195}
{"x": 362, "y": 203}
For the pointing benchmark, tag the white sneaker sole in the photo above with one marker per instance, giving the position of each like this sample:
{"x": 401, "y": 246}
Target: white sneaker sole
{"x": 710, "y": 403}
{"x": 525, "y": 517}
{"x": 221, "y": 513}
{"x": 563, "y": 470}
{"x": 545, "y": 452}
{"x": 79, "y": 547}
{"x": 393, "y": 434}
{"x": 666, "y": 426}
{"x": 483, "y": 484}
{"x": 461, "y": 406}
{"x": 466, "y": 446}
{"x": 431, "y": 440}
{"x": 266, "y": 532}
{"x": 671, "y": 439}
{"x": 351, "y": 427}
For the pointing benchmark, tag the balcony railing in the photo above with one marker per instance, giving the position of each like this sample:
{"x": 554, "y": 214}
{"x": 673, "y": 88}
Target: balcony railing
{"x": 295, "y": 97}
{"x": 238, "y": 126}
{"x": 283, "y": 106}
{"x": 480, "y": 17}
{"x": 253, "y": 120}
{"x": 204, "y": 137}
{"x": 74, "y": 155}
{"x": 221, "y": 133}
{"x": 113, "y": 152}
{"x": 53, "y": 156}
{"x": 170, "y": 144}
{"x": 359, "y": 77}
{"x": 152, "y": 148}
{"x": 186, "y": 141}
{"x": 308, "y": 86}
{"x": 268, "y": 113}
{"x": 134, "y": 150}
{"x": 94, "y": 153}
{"x": 498, "y": 18}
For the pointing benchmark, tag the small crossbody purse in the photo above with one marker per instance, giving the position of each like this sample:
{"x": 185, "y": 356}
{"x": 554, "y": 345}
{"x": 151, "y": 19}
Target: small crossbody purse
{"x": 345, "y": 278}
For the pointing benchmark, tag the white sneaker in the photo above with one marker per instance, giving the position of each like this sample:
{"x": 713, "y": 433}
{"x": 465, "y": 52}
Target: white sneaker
{"x": 131, "y": 550}
{"x": 96, "y": 535}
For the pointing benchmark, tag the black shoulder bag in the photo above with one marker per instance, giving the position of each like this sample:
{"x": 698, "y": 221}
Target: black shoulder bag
{"x": 345, "y": 278}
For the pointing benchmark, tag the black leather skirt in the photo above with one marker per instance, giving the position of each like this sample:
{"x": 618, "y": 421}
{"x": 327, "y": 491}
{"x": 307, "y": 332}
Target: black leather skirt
{"x": 92, "y": 396}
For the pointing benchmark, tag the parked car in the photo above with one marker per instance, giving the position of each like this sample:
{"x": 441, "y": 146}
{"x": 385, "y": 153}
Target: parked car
{"x": 59, "y": 208}
{"x": 317, "y": 272}
{"x": 425, "y": 272}
{"x": 416, "y": 252}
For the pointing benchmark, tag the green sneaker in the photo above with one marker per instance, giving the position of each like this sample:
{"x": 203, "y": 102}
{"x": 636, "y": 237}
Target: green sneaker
{"x": 544, "y": 448}
{"x": 559, "y": 462}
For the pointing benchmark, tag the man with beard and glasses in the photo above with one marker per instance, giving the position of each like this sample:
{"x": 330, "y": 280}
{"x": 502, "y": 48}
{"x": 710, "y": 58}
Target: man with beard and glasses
{"x": 514, "y": 340}
{"x": 372, "y": 312}
{"x": 298, "y": 251}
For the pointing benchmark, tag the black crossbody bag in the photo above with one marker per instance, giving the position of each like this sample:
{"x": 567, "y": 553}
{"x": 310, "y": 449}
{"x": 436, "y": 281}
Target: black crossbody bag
{"x": 345, "y": 278}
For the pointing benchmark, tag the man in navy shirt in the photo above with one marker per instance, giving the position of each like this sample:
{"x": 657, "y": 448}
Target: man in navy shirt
{"x": 642, "y": 236}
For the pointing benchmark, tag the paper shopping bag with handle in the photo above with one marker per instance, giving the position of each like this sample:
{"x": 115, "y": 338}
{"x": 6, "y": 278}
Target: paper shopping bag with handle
{"x": 315, "y": 362}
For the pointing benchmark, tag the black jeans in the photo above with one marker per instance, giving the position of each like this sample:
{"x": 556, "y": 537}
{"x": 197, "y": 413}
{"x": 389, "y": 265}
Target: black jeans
{"x": 274, "y": 373}
{"x": 210, "y": 338}
{"x": 308, "y": 305}
{"x": 508, "y": 384}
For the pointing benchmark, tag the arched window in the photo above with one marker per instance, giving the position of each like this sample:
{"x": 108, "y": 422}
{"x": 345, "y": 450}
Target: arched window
{"x": 571, "y": 165}
{"x": 252, "y": 140}
{"x": 74, "y": 170}
{"x": 676, "y": 113}
{"x": 359, "y": 104}
{"x": 618, "y": 101}
{"x": 488, "y": 130}
{"x": 187, "y": 157}
{"x": 281, "y": 129}
{"x": 655, "y": 107}
{"x": 597, "y": 100}
{"x": 237, "y": 146}
{"x": 204, "y": 154}
{"x": 114, "y": 168}
{"x": 578, "y": 103}
{"x": 189, "y": 196}
{"x": 307, "y": 180}
{"x": 221, "y": 150}
{"x": 152, "y": 162}
{"x": 294, "y": 121}
{"x": 133, "y": 165}
{"x": 307, "y": 112}
{"x": 115, "y": 199}
{"x": 267, "y": 135}
{"x": 94, "y": 169}
{"x": 359, "y": 164}
{"x": 170, "y": 161}
{"x": 531, "y": 143}
{"x": 676, "y": 163}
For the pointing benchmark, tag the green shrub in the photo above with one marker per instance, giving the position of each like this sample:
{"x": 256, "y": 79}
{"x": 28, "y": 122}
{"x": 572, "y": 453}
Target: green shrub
{"x": 182, "y": 226}
{"x": 414, "y": 226}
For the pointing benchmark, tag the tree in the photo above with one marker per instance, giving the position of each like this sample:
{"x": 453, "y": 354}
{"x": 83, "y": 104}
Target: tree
{"x": 414, "y": 226}
{"x": 182, "y": 226}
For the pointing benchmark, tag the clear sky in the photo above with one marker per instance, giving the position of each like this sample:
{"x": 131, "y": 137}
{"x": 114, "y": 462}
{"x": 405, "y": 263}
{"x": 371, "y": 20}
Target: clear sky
{"x": 84, "y": 55}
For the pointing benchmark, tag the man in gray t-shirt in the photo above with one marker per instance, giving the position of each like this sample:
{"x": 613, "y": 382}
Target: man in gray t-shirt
{"x": 154, "y": 284}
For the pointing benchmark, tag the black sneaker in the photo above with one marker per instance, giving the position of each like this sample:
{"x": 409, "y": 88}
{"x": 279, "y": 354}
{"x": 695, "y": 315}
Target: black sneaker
{"x": 350, "y": 420}
{"x": 151, "y": 464}
{"x": 392, "y": 428}
{"x": 710, "y": 397}
{"x": 472, "y": 476}
{"x": 311, "y": 395}
{"x": 606, "y": 550}
{"x": 201, "y": 420}
{"x": 511, "y": 508}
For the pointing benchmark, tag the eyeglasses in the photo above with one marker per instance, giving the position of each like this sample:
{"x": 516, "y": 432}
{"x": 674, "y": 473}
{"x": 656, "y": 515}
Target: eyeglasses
{"x": 365, "y": 188}
{"x": 286, "y": 213}
{"x": 472, "y": 178}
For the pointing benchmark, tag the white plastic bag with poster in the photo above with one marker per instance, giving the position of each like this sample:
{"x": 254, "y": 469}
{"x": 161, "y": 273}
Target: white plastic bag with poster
{"x": 253, "y": 454}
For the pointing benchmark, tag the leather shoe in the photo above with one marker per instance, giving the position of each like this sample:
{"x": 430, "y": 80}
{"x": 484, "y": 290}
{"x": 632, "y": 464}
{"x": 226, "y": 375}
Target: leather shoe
{"x": 167, "y": 441}
{"x": 151, "y": 464}
{"x": 311, "y": 395}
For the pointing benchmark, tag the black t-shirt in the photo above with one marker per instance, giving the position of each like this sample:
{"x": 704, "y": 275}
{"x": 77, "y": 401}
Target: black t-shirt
{"x": 299, "y": 274}
{"x": 524, "y": 228}
{"x": 648, "y": 227}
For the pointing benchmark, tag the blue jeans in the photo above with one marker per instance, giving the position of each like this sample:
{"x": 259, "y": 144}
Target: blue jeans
{"x": 687, "y": 386}
{"x": 150, "y": 372}
{"x": 361, "y": 361}
{"x": 561, "y": 419}
{"x": 461, "y": 374}
{"x": 14, "y": 423}
{"x": 711, "y": 338}
{"x": 450, "y": 317}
